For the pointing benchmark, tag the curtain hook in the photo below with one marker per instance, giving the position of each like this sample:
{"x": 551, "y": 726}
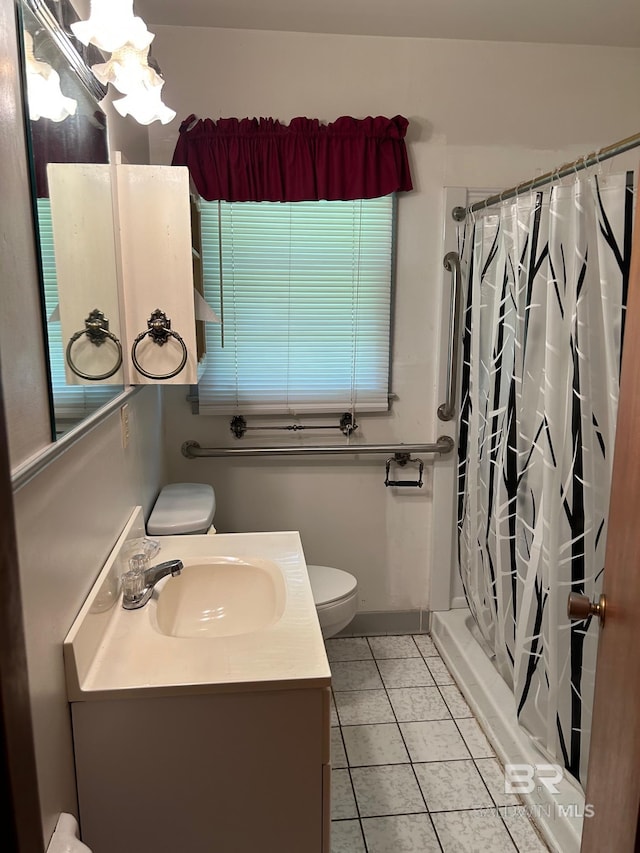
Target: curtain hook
{"x": 598, "y": 163}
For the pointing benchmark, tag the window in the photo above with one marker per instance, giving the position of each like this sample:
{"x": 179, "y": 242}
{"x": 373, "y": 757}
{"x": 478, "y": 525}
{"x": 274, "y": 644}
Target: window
{"x": 72, "y": 402}
{"x": 306, "y": 303}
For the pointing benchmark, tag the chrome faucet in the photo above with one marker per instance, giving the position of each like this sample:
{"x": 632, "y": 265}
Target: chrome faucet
{"x": 137, "y": 585}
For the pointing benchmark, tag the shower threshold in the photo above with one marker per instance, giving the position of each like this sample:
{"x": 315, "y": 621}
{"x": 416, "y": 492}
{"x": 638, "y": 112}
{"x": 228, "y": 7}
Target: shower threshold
{"x": 558, "y": 817}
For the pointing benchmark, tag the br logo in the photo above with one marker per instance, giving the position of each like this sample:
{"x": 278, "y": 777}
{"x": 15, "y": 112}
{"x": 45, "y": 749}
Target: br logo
{"x": 523, "y": 778}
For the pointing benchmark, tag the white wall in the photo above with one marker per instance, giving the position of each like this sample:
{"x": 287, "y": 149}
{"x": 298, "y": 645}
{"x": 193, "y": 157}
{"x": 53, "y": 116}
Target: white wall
{"x": 70, "y": 514}
{"x": 482, "y": 114}
{"x": 67, "y": 520}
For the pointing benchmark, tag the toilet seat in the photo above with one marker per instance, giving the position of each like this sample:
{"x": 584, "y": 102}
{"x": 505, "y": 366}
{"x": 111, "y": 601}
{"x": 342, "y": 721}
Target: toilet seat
{"x": 331, "y": 585}
{"x": 335, "y": 593}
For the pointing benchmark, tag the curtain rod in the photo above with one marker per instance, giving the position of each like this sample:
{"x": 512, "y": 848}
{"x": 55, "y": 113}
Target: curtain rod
{"x": 593, "y": 159}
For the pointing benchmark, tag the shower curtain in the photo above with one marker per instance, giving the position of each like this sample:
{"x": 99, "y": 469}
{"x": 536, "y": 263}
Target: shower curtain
{"x": 545, "y": 282}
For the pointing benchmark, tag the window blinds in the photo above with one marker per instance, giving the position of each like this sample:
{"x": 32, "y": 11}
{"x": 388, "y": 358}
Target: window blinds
{"x": 306, "y": 301}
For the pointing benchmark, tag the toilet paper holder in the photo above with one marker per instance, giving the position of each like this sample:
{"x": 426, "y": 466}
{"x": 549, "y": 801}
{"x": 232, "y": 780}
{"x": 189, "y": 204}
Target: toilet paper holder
{"x": 403, "y": 459}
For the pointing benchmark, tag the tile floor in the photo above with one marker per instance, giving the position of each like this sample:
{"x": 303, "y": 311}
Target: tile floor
{"x": 412, "y": 769}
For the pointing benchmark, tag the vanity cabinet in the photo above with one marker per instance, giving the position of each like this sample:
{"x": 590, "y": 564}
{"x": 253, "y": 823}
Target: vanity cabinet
{"x": 216, "y": 741}
{"x": 230, "y": 772}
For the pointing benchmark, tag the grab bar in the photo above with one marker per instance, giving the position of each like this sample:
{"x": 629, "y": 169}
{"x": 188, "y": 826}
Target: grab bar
{"x": 447, "y": 410}
{"x": 192, "y": 450}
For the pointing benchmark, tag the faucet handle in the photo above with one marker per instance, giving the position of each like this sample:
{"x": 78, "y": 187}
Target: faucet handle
{"x": 138, "y": 563}
{"x": 133, "y": 585}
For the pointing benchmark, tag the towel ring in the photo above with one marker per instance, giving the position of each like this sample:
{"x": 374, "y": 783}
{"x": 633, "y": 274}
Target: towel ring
{"x": 96, "y": 328}
{"x": 159, "y": 330}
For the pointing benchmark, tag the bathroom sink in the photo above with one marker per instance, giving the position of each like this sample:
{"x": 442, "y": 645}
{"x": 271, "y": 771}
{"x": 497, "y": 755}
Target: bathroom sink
{"x": 240, "y": 613}
{"x": 220, "y": 597}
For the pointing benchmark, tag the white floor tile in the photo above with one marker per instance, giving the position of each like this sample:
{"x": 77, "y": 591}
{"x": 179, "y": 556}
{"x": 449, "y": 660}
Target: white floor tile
{"x": 338, "y": 755}
{"x": 438, "y": 740}
{"x": 355, "y": 675}
{"x": 436, "y": 731}
{"x": 451, "y": 785}
{"x": 455, "y": 701}
{"x": 393, "y": 647}
{"x": 357, "y": 707}
{"x": 418, "y": 703}
{"x": 401, "y": 834}
{"x": 426, "y": 645}
{"x": 348, "y": 648}
{"x": 474, "y": 737}
{"x": 406, "y": 672}
{"x": 343, "y": 804}
{"x": 522, "y": 831}
{"x": 439, "y": 671}
{"x": 346, "y": 837}
{"x": 472, "y": 832}
{"x": 377, "y": 744}
{"x": 334, "y": 714}
{"x": 387, "y": 790}
{"x": 493, "y": 774}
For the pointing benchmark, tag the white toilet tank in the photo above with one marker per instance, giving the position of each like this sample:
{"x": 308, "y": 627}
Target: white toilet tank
{"x": 182, "y": 508}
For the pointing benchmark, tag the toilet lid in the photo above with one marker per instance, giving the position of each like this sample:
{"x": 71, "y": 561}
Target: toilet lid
{"x": 330, "y": 584}
{"x": 182, "y": 508}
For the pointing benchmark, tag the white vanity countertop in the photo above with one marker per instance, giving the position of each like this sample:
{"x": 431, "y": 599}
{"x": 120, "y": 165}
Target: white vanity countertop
{"x": 111, "y": 653}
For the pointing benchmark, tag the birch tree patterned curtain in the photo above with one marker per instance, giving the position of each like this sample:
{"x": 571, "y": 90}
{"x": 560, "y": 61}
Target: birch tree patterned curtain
{"x": 545, "y": 288}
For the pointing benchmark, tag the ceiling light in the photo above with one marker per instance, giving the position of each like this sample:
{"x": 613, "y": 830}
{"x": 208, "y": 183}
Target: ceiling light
{"x": 43, "y": 88}
{"x": 111, "y": 25}
{"x": 128, "y": 69}
{"x": 145, "y": 106}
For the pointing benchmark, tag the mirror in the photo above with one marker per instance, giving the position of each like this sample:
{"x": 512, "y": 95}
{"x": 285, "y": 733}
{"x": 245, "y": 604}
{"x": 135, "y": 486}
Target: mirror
{"x": 66, "y": 126}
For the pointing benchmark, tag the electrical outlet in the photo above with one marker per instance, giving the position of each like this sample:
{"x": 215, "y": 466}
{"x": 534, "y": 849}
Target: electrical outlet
{"x": 124, "y": 424}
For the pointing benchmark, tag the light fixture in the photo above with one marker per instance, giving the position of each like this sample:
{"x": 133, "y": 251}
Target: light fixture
{"x": 127, "y": 69}
{"x": 111, "y": 25}
{"x": 43, "y": 88}
{"x": 145, "y": 105}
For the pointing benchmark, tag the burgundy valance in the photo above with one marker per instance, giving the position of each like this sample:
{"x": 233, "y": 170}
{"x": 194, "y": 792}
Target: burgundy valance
{"x": 263, "y": 160}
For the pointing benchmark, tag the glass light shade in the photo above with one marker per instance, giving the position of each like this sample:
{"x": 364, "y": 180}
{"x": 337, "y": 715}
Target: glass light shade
{"x": 43, "y": 88}
{"x": 145, "y": 106}
{"x": 111, "y": 25}
{"x": 127, "y": 69}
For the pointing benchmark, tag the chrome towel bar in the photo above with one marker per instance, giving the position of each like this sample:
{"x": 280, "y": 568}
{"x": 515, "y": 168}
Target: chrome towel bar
{"x": 347, "y": 426}
{"x": 192, "y": 450}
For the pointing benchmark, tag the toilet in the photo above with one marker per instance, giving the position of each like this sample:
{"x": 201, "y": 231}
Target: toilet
{"x": 335, "y": 593}
{"x": 188, "y": 508}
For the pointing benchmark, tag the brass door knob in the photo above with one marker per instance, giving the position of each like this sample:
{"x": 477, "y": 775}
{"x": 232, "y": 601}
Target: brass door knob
{"x": 579, "y": 607}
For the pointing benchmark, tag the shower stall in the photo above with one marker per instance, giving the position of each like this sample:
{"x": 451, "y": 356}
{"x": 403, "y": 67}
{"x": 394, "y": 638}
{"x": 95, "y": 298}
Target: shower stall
{"x": 543, "y": 276}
